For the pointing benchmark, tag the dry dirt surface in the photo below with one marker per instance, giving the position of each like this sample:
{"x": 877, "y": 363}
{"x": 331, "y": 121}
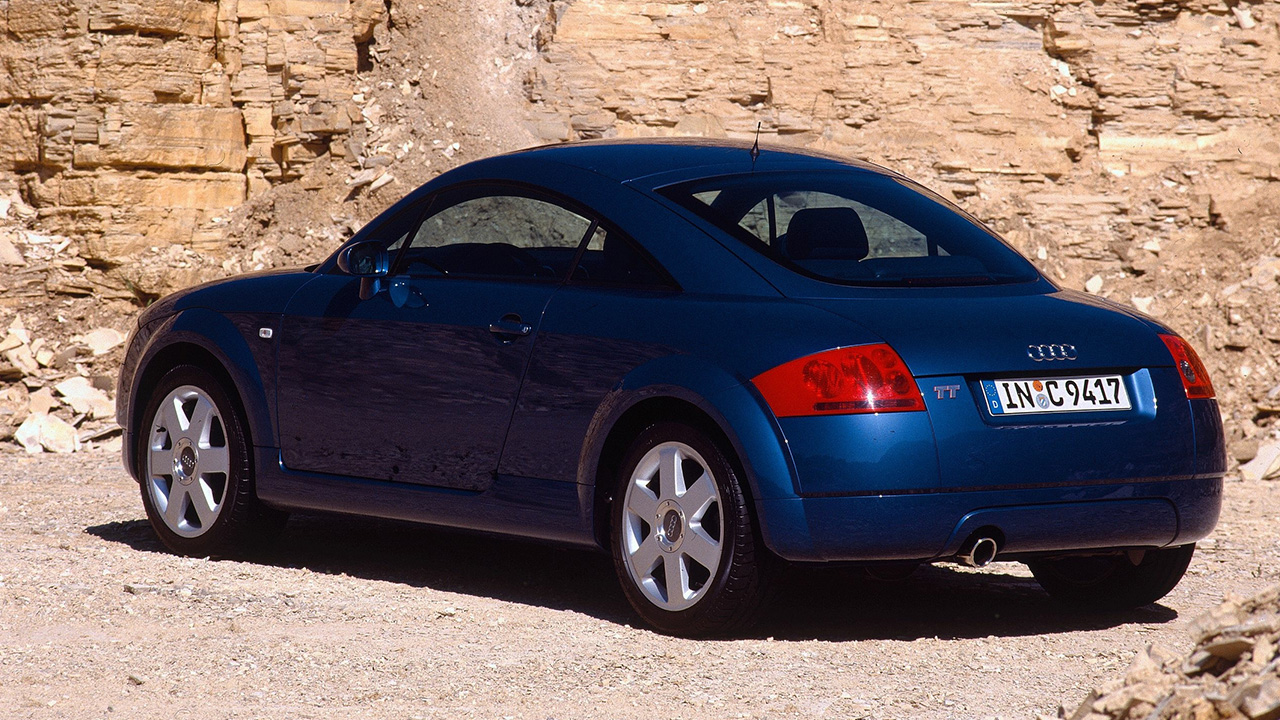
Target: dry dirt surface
{"x": 372, "y": 619}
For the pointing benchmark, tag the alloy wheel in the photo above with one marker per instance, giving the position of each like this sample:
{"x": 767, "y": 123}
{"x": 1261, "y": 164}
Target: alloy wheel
{"x": 673, "y": 528}
{"x": 188, "y": 461}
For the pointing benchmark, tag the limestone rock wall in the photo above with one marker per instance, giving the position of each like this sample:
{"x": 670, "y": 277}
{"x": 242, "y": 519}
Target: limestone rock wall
{"x": 137, "y": 123}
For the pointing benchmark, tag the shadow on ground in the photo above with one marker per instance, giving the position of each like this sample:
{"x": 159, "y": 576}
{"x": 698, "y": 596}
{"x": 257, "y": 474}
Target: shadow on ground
{"x": 826, "y": 604}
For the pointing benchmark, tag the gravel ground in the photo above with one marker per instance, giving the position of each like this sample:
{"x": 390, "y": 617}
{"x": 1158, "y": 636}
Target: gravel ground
{"x": 373, "y": 619}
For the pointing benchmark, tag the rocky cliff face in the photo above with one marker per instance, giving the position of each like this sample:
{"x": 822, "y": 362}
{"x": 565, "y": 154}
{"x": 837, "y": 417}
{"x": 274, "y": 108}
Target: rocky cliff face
{"x": 134, "y": 124}
{"x": 1055, "y": 117}
{"x": 1129, "y": 147}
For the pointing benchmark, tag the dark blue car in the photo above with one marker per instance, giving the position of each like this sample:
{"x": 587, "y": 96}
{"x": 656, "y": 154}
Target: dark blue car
{"x": 702, "y": 357}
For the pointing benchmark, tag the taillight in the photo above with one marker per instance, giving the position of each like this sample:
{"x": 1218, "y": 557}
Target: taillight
{"x": 1195, "y": 379}
{"x": 858, "y": 379}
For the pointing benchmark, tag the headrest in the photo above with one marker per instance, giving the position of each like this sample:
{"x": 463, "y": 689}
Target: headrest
{"x": 828, "y": 233}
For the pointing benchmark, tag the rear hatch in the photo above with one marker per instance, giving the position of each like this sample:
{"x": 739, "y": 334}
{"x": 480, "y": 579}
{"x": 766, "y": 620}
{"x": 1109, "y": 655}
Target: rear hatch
{"x": 1035, "y": 390}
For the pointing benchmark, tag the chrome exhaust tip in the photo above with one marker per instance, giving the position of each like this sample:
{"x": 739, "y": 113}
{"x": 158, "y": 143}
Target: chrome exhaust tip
{"x": 980, "y": 552}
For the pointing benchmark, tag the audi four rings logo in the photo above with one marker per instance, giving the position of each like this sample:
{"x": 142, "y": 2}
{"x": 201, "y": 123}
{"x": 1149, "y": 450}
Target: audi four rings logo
{"x": 1042, "y": 353}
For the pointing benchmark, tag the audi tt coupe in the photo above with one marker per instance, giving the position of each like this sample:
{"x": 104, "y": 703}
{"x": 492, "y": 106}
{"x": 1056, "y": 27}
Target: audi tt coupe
{"x": 706, "y": 358}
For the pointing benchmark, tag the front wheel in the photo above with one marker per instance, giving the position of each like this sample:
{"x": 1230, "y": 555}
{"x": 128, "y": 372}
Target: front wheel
{"x": 683, "y": 543}
{"x": 198, "y": 488}
{"x": 1113, "y": 582}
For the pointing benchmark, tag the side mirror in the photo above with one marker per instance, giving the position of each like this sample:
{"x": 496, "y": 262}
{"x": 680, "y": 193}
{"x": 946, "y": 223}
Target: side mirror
{"x": 365, "y": 259}
{"x": 368, "y": 261}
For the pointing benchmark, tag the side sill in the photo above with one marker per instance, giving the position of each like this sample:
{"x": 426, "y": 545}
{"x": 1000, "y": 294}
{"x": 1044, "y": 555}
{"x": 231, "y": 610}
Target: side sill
{"x": 545, "y": 510}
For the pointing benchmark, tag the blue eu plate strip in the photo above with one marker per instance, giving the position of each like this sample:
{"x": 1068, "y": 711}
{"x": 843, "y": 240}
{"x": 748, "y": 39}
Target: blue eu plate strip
{"x": 993, "y": 397}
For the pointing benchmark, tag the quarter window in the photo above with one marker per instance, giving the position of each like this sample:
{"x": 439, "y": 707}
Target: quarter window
{"x": 397, "y": 229}
{"x": 611, "y": 258}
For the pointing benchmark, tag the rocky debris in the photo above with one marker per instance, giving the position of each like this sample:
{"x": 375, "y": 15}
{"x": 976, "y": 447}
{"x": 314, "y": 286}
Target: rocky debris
{"x": 40, "y": 432}
{"x": 374, "y": 177}
{"x": 85, "y": 399}
{"x": 1265, "y": 463}
{"x": 1233, "y": 672}
{"x": 102, "y": 340}
{"x": 56, "y": 400}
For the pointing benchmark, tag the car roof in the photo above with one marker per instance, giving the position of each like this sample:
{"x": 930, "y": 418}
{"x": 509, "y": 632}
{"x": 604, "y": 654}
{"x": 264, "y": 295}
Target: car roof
{"x": 676, "y": 159}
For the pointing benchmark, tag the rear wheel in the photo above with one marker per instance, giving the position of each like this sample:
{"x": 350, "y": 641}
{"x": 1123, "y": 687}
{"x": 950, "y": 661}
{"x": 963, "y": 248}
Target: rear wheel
{"x": 198, "y": 488}
{"x": 683, "y": 543}
{"x": 1113, "y": 582}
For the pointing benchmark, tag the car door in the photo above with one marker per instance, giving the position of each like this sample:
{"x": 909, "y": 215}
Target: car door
{"x": 417, "y": 383}
{"x": 619, "y": 310}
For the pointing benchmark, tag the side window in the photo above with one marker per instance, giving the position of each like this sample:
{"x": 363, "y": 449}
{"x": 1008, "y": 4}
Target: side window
{"x": 397, "y": 229}
{"x": 611, "y": 258}
{"x": 496, "y": 236}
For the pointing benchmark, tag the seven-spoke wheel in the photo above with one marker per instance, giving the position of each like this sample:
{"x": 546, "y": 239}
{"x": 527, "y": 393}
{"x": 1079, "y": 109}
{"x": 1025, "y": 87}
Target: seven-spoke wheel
{"x": 198, "y": 486}
{"x": 683, "y": 542}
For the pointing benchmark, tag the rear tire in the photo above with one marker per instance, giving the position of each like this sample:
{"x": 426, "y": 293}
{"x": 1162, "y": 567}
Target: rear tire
{"x": 682, "y": 538}
{"x": 198, "y": 487}
{"x": 1113, "y": 582}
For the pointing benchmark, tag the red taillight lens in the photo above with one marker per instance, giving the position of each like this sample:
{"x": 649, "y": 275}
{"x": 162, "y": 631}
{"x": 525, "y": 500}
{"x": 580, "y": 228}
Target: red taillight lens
{"x": 1195, "y": 379}
{"x": 859, "y": 379}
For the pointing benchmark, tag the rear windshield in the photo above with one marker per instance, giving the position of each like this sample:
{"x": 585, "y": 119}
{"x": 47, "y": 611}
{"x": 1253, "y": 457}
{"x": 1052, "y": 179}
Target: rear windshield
{"x": 855, "y": 227}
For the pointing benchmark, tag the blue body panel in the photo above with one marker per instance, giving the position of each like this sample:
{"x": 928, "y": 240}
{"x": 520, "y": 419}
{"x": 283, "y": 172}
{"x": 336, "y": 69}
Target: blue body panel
{"x": 863, "y": 454}
{"x": 537, "y": 509}
{"x": 946, "y": 331}
{"x": 431, "y": 388}
{"x": 927, "y": 526}
{"x": 222, "y": 318}
{"x": 419, "y": 412}
{"x": 218, "y": 336}
{"x": 594, "y": 341}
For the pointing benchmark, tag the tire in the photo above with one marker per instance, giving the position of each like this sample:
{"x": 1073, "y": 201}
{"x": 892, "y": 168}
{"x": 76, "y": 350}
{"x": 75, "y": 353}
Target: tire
{"x": 1113, "y": 582}
{"x": 698, "y": 539}
{"x": 197, "y": 485}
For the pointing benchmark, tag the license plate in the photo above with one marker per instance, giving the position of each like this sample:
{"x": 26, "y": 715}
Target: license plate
{"x": 1053, "y": 395}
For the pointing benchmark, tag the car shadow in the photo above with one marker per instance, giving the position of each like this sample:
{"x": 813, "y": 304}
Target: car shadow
{"x": 424, "y": 557}
{"x": 936, "y": 601}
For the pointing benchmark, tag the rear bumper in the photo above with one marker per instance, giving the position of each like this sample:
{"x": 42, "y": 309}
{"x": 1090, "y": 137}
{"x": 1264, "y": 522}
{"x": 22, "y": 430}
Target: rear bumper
{"x": 933, "y": 525}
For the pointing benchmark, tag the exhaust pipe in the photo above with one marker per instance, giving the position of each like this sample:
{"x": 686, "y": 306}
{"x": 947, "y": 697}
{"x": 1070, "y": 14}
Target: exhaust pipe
{"x": 980, "y": 552}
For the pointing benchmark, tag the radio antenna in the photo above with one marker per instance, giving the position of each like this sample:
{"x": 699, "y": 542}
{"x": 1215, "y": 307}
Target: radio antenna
{"x": 755, "y": 149}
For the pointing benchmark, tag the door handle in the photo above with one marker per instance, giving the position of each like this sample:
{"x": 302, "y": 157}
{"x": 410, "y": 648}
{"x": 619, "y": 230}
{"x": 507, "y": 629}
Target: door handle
{"x": 509, "y": 326}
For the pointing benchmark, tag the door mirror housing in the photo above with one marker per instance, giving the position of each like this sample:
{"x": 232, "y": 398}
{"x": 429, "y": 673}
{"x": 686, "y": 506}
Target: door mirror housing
{"x": 365, "y": 260}
{"x": 368, "y": 261}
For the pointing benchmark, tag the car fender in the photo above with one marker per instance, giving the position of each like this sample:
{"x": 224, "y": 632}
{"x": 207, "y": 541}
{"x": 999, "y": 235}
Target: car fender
{"x": 730, "y": 401}
{"x": 214, "y": 333}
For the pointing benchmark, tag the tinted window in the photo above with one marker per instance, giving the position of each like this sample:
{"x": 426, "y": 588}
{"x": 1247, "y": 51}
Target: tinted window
{"x": 495, "y": 235}
{"x": 611, "y": 258}
{"x": 395, "y": 231}
{"x": 886, "y": 235}
{"x": 855, "y": 227}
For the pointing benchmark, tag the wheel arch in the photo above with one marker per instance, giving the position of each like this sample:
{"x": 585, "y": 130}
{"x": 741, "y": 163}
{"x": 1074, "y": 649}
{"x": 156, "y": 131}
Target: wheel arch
{"x": 209, "y": 340}
{"x": 730, "y": 412}
{"x": 627, "y": 428}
